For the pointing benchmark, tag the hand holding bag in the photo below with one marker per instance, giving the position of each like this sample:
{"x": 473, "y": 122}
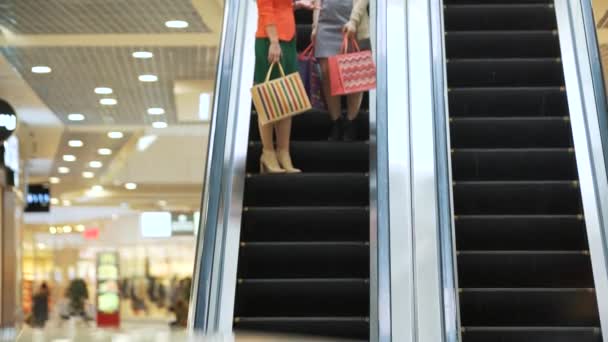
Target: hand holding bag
{"x": 351, "y": 72}
{"x": 311, "y": 77}
{"x": 280, "y": 98}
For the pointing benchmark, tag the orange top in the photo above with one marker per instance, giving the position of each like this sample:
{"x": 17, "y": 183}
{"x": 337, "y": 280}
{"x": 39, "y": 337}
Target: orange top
{"x": 278, "y": 13}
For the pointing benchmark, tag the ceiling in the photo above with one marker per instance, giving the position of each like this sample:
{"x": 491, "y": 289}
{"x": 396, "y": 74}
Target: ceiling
{"x": 89, "y": 44}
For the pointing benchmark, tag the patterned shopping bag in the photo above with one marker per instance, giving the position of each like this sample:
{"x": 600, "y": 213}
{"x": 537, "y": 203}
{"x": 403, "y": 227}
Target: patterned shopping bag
{"x": 311, "y": 77}
{"x": 280, "y": 98}
{"x": 351, "y": 72}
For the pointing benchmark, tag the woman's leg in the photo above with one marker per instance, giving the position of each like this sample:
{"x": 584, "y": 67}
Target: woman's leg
{"x": 268, "y": 162}
{"x": 283, "y": 128}
{"x": 334, "y": 104}
{"x": 354, "y": 106}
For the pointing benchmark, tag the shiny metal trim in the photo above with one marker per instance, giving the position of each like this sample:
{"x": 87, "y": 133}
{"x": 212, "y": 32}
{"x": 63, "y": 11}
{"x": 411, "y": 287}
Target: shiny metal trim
{"x": 398, "y": 175}
{"x": 205, "y": 285}
{"x": 380, "y": 271}
{"x": 586, "y": 132}
{"x": 427, "y": 256}
{"x": 449, "y": 278}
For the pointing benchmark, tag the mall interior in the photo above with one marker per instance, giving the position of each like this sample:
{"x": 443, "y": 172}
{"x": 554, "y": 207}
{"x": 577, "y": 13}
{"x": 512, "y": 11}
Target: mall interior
{"x": 471, "y": 205}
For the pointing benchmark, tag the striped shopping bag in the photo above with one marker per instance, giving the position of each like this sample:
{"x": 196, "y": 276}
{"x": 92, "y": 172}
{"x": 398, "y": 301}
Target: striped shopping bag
{"x": 280, "y": 98}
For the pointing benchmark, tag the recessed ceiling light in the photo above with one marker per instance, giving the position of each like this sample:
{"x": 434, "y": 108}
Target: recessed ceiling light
{"x": 75, "y": 143}
{"x": 146, "y": 141}
{"x": 88, "y": 174}
{"x": 54, "y": 201}
{"x": 162, "y": 203}
{"x": 54, "y": 180}
{"x": 69, "y": 158}
{"x": 75, "y": 117}
{"x": 176, "y": 24}
{"x": 148, "y": 78}
{"x": 143, "y": 54}
{"x": 95, "y": 164}
{"x": 156, "y": 111}
{"x": 115, "y": 135}
{"x": 66, "y": 203}
{"x": 80, "y": 228}
{"x": 159, "y": 124}
{"x": 130, "y": 186}
{"x": 41, "y": 69}
{"x": 104, "y": 151}
{"x": 53, "y": 230}
{"x": 103, "y": 90}
{"x": 63, "y": 169}
{"x": 67, "y": 229}
{"x": 97, "y": 188}
{"x": 108, "y": 102}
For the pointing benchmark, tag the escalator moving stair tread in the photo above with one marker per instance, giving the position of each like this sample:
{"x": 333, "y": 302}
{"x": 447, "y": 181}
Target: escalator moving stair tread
{"x": 523, "y": 261}
{"x": 304, "y": 256}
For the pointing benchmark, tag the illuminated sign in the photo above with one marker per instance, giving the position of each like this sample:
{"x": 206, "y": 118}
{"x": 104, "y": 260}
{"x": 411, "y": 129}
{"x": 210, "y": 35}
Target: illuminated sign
{"x": 182, "y": 223}
{"x": 108, "y": 295}
{"x": 11, "y": 157}
{"x": 155, "y": 224}
{"x": 38, "y": 198}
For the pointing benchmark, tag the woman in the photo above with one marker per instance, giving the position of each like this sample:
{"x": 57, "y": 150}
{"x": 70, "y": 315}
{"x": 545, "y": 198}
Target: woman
{"x": 276, "y": 43}
{"x": 40, "y": 310}
{"x": 331, "y": 21}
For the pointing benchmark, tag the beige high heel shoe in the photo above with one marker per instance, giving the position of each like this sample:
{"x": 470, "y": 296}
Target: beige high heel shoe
{"x": 269, "y": 163}
{"x": 285, "y": 161}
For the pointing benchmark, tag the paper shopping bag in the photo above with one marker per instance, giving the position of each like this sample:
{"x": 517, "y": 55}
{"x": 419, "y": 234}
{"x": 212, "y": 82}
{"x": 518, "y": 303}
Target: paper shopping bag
{"x": 352, "y": 72}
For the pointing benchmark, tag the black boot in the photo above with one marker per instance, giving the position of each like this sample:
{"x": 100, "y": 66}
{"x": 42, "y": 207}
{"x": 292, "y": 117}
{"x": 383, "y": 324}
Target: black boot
{"x": 335, "y": 133}
{"x": 350, "y": 130}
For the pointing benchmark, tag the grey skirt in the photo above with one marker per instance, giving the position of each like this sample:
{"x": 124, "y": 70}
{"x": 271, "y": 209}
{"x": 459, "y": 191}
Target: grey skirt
{"x": 332, "y": 18}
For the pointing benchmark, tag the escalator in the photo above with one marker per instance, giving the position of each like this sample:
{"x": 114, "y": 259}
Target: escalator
{"x": 303, "y": 265}
{"x": 524, "y": 268}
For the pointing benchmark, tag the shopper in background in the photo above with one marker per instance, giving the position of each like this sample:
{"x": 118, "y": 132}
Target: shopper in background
{"x": 332, "y": 20}
{"x": 40, "y": 308}
{"x": 276, "y": 43}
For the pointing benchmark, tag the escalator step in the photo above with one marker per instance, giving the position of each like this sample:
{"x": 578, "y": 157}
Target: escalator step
{"x": 313, "y": 126}
{"x": 338, "y": 327}
{"x": 500, "y": 17}
{"x": 512, "y": 269}
{"x": 510, "y": 72}
{"x": 303, "y": 17}
{"x": 321, "y": 156}
{"x": 305, "y": 224}
{"x": 508, "y": 101}
{"x": 529, "y": 307}
{"x": 303, "y": 35}
{"x": 516, "y": 198}
{"x": 527, "y": 334}
{"x": 501, "y": 44}
{"x": 304, "y": 260}
{"x": 515, "y": 132}
{"x": 307, "y": 189}
{"x": 513, "y": 164}
{"x": 302, "y": 297}
{"x": 535, "y": 232}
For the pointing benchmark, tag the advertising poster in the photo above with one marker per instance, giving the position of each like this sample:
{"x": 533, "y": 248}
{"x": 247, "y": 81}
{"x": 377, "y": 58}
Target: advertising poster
{"x": 108, "y": 296}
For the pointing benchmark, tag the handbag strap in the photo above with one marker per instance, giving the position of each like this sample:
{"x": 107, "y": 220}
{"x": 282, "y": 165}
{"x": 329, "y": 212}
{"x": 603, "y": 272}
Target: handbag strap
{"x": 309, "y": 51}
{"x": 270, "y": 71}
{"x": 345, "y": 40}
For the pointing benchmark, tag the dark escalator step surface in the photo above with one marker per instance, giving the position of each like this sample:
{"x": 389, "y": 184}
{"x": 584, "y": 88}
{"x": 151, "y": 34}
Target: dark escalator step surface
{"x": 520, "y": 232}
{"x": 512, "y": 269}
{"x": 531, "y": 334}
{"x": 313, "y": 126}
{"x": 514, "y": 164}
{"x": 304, "y": 260}
{"x": 508, "y": 101}
{"x": 512, "y": 132}
{"x": 529, "y": 307}
{"x": 339, "y": 327}
{"x": 517, "y": 198}
{"x": 502, "y": 44}
{"x": 302, "y": 297}
{"x": 320, "y": 156}
{"x": 508, "y": 72}
{"x": 500, "y": 17}
{"x": 332, "y": 189}
{"x": 305, "y": 224}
